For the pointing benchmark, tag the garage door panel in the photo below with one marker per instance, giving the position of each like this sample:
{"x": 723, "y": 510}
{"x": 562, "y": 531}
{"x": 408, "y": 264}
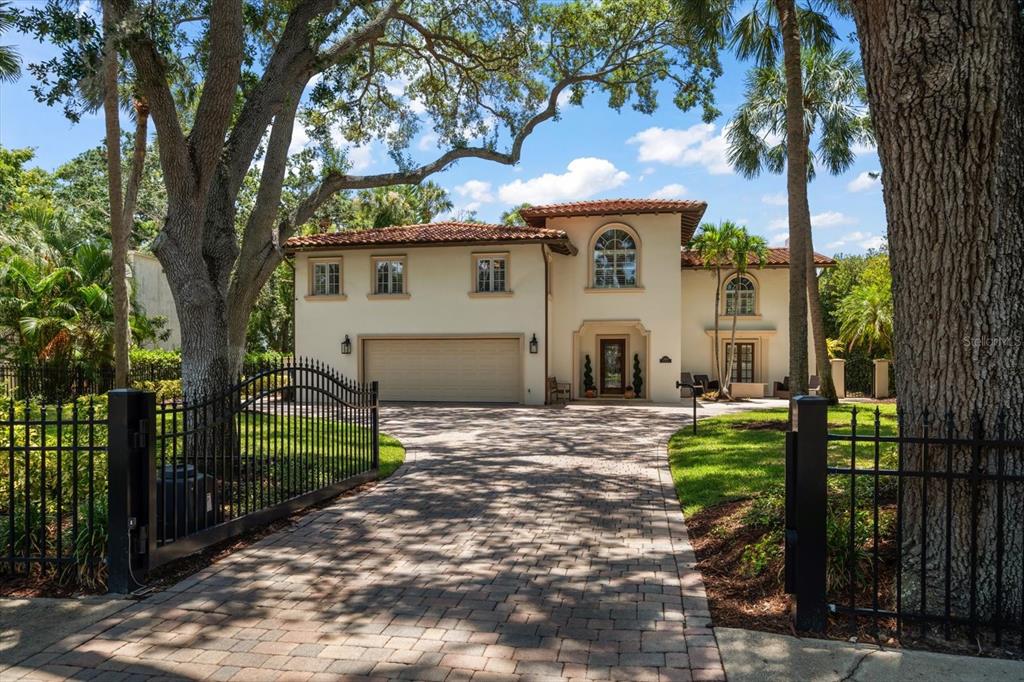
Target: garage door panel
{"x": 449, "y": 370}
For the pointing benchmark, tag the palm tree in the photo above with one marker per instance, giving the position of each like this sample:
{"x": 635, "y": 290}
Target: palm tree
{"x": 10, "y": 61}
{"x": 397, "y": 205}
{"x": 714, "y": 244}
{"x": 835, "y": 115}
{"x": 768, "y": 29}
{"x": 865, "y": 317}
{"x": 744, "y": 247}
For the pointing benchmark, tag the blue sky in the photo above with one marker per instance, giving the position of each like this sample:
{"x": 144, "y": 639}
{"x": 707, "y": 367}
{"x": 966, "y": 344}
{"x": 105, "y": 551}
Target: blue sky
{"x": 591, "y": 152}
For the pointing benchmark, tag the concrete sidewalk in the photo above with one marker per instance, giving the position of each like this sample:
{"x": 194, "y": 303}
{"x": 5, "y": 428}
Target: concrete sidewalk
{"x": 750, "y": 656}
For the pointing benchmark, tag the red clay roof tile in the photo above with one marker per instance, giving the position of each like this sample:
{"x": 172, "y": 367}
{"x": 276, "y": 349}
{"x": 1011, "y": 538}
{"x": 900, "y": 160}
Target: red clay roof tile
{"x": 448, "y": 232}
{"x": 777, "y": 257}
{"x": 691, "y": 211}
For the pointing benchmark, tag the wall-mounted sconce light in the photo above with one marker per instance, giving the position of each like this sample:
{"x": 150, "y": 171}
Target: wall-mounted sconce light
{"x": 665, "y": 360}
{"x": 534, "y": 346}
{"x": 346, "y": 346}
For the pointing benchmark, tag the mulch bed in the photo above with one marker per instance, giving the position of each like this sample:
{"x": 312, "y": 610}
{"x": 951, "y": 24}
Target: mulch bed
{"x": 758, "y": 602}
{"x": 38, "y": 585}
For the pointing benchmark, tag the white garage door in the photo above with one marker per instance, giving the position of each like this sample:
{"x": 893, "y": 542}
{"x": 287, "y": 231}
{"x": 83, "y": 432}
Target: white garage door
{"x": 448, "y": 370}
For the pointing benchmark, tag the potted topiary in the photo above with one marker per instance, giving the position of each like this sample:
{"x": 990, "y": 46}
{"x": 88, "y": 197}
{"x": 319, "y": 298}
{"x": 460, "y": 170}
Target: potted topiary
{"x": 638, "y": 379}
{"x": 588, "y": 379}
{"x": 628, "y": 392}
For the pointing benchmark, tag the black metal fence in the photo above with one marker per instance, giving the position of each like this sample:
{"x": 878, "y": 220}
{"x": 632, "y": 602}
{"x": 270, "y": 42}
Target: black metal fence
{"x": 51, "y": 383}
{"x": 196, "y": 473}
{"x": 53, "y": 489}
{"x": 108, "y": 487}
{"x": 906, "y": 528}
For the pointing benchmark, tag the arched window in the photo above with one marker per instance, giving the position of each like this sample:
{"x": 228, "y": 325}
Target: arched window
{"x": 740, "y": 296}
{"x": 615, "y": 260}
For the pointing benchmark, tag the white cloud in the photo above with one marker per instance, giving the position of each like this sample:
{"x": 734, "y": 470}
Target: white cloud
{"x": 867, "y": 180}
{"x": 831, "y": 219}
{"x": 779, "y": 239}
{"x": 779, "y": 199}
{"x": 299, "y": 139}
{"x": 477, "y": 190}
{"x": 672, "y": 191}
{"x": 861, "y": 240}
{"x": 361, "y": 158}
{"x": 697, "y": 145}
{"x": 427, "y": 142}
{"x": 824, "y": 219}
{"x": 584, "y": 177}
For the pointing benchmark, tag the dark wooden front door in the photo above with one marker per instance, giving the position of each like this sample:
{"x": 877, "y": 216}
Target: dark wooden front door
{"x": 613, "y": 366}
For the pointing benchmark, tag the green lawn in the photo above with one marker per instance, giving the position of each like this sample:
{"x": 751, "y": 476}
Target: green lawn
{"x": 741, "y": 455}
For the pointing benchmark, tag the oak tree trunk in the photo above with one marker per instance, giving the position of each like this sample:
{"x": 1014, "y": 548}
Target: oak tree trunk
{"x": 946, "y": 88}
{"x": 796, "y": 186}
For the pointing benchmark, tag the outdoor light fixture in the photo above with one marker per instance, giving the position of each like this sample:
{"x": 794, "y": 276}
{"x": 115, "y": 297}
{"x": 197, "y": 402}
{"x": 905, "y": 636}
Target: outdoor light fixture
{"x": 533, "y": 344}
{"x": 346, "y": 346}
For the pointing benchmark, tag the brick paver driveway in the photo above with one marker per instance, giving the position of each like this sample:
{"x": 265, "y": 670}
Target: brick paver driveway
{"x": 520, "y": 544}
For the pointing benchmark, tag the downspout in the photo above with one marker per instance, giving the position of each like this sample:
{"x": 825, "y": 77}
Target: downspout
{"x": 547, "y": 293}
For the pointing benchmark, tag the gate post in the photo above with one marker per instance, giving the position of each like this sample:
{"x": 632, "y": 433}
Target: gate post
{"x": 131, "y": 487}
{"x": 375, "y": 416}
{"x": 806, "y": 507}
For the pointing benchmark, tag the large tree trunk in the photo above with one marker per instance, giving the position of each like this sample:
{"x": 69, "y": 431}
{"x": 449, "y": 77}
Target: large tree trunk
{"x": 817, "y": 312}
{"x": 946, "y": 88}
{"x": 796, "y": 185}
{"x": 119, "y": 226}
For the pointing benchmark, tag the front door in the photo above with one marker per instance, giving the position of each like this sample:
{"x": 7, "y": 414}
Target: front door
{"x": 613, "y": 364}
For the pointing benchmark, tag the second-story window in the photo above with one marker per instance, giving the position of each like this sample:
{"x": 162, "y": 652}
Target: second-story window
{"x": 326, "y": 279}
{"x": 389, "y": 275}
{"x": 740, "y": 296}
{"x": 491, "y": 274}
{"x": 614, "y": 260}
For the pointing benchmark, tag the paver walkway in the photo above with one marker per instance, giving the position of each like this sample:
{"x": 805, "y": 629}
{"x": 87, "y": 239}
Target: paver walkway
{"x": 520, "y": 544}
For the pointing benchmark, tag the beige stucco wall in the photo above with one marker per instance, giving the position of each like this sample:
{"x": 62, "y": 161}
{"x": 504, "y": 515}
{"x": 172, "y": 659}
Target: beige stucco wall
{"x": 648, "y": 317}
{"x": 768, "y": 329}
{"x": 153, "y": 295}
{"x": 438, "y": 280}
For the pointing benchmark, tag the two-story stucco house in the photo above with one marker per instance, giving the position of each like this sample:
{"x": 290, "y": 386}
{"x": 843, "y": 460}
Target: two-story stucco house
{"x": 470, "y": 312}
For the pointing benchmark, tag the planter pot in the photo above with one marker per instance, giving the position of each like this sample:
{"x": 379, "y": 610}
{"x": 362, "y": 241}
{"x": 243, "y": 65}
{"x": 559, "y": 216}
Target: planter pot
{"x": 590, "y": 393}
{"x": 629, "y": 394}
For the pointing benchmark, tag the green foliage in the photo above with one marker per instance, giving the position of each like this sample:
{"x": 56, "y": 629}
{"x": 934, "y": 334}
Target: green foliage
{"x": 588, "y": 375}
{"x": 155, "y": 361}
{"x": 741, "y": 456}
{"x": 10, "y": 61}
{"x": 166, "y": 390}
{"x": 638, "y": 379}
{"x": 856, "y": 296}
{"x": 835, "y": 115}
{"x": 512, "y": 216}
{"x": 66, "y": 475}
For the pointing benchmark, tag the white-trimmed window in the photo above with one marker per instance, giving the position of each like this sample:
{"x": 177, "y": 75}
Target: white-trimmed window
{"x": 615, "y": 260}
{"x": 325, "y": 278}
{"x": 491, "y": 273}
{"x": 740, "y": 296}
{"x": 389, "y": 275}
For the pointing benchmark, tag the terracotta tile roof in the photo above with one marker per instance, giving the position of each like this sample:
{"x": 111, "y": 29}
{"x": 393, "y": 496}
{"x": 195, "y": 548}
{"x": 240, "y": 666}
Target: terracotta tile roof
{"x": 433, "y": 233}
{"x": 690, "y": 211}
{"x": 777, "y": 258}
